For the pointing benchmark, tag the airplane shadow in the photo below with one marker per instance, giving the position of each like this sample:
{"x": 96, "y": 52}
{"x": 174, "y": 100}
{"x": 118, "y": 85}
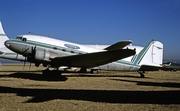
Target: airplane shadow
{"x": 161, "y": 84}
{"x": 53, "y": 77}
{"x": 107, "y": 96}
{"x": 35, "y": 76}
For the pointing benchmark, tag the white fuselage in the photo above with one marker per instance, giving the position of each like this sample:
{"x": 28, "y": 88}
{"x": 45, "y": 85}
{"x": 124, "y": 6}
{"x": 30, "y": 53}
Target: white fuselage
{"x": 59, "y": 48}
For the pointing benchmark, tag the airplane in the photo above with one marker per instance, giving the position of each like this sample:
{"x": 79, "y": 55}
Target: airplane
{"x": 55, "y": 53}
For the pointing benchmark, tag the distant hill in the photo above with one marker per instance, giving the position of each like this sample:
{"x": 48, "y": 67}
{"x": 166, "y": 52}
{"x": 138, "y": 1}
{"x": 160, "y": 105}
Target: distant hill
{"x": 173, "y": 64}
{"x": 172, "y": 61}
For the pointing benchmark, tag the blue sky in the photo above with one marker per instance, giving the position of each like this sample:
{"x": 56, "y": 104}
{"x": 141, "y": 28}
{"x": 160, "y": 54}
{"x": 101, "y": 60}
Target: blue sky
{"x": 97, "y": 21}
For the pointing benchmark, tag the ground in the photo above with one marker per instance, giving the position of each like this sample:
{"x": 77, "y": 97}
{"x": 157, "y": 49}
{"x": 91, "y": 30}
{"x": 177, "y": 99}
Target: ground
{"x": 30, "y": 91}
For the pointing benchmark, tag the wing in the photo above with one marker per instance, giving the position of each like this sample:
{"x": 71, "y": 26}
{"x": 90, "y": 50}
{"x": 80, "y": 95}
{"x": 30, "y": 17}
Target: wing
{"x": 118, "y": 45}
{"x": 92, "y": 59}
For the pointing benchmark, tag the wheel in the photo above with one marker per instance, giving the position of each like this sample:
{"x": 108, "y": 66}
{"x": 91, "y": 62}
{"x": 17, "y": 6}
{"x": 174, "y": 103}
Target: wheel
{"x": 141, "y": 74}
{"x": 94, "y": 71}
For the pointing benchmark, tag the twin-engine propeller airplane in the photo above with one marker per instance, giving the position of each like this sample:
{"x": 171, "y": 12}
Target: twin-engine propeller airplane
{"x": 56, "y": 53}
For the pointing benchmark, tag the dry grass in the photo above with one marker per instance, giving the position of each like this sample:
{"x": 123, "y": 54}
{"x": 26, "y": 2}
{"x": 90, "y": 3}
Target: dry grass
{"x": 30, "y": 91}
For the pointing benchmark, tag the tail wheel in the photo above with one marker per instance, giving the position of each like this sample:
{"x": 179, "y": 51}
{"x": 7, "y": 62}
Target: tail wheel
{"x": 141, "y": 74}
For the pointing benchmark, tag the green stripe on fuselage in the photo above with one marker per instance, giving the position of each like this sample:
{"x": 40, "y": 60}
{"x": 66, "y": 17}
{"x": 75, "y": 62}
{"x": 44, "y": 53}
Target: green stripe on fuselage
{"x": 127, "y": 63}
{"x": 142, "y": 53}
{"x": 2, "y": 34}
{"x": 138, "y": 58}
{"x": 10, "y": 53}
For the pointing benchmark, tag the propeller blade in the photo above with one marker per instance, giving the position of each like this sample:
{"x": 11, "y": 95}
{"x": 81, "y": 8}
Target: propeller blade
{"x": 33, "y": 49}
{"x": 25, "y": 51}
{"x": 24, "y": 63}
{"x": 30, "y": 66}
{"x": 16, "y": 55}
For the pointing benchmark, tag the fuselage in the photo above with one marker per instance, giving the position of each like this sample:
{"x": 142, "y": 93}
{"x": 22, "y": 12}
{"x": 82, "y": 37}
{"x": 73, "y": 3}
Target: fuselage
{"x": 49, "y": 48}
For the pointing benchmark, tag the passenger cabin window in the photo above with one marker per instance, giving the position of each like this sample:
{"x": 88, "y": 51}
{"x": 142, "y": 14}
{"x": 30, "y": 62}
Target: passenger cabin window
{"x": 72, "y": 51}
{"x": 71, "y": 46}
{"x": 55, "y": 48}
{"x": 64, "y": 50}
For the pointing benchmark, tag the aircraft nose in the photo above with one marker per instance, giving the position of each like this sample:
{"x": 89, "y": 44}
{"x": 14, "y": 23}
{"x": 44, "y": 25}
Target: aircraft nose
{"x": 7, "y": 43}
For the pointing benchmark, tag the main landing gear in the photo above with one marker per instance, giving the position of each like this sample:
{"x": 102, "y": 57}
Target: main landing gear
{"x": 94, "y": 71}
{"x": 141, "y": 73}
{"x": 54, "y": 72}
{"x": 84, "y": 70}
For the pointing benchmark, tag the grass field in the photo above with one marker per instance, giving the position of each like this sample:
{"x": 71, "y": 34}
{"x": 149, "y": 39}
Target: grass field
{"x": 30, "y": 91}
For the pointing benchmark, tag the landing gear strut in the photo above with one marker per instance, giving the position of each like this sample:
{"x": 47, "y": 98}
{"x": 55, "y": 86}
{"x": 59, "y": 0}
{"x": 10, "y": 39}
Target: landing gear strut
{"x": 141, "y": 73}
{"x": 83, "y": 70}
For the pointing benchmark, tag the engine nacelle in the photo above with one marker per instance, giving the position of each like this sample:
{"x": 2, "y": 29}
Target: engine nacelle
{"x": 41, "y": 54}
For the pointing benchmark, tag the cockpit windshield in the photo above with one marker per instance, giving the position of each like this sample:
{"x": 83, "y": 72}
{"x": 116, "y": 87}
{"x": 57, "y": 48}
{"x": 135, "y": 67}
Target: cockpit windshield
{"x": 20, "y": 38}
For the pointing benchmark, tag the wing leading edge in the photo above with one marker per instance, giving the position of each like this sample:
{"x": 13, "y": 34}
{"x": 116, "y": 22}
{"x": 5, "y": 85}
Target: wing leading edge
{"x": 92, "y": 59}
{"x": 118, "y": 45}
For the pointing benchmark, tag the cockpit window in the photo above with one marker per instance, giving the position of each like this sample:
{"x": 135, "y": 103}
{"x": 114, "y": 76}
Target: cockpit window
{"x": 20, "y": 38}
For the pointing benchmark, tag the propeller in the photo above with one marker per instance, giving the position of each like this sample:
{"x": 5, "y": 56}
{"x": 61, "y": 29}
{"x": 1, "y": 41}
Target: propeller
{"x": 31, "y": 56}
{"x": 23, "y": 53}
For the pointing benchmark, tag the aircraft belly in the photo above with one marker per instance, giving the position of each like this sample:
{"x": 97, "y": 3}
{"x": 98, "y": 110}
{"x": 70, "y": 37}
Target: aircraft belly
{"x": 118, "y": 67}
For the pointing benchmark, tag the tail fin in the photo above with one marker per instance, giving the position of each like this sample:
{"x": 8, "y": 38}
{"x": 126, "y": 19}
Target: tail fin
{"x": 3, "y": 36}
{"x": 151, "y": 55}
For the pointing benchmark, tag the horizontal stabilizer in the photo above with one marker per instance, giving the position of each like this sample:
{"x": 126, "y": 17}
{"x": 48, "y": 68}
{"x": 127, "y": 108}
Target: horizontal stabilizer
{"x": 92, "y": 59}
{"x": 118, "y": 45}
